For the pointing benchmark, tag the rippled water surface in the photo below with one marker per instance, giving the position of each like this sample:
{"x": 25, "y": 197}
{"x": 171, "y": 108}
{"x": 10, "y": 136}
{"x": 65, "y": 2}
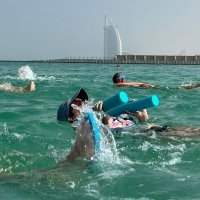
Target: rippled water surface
{"x": 149, "y": 167}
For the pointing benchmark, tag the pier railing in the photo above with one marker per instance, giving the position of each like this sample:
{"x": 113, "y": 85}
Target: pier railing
{"x": 159, "y": 59}
{"x": 128, "y": 59}
{"x": 137, "y": 59}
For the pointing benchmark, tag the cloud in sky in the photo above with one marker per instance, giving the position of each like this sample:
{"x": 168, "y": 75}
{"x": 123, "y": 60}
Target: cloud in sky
{"x": 56, "y": 29}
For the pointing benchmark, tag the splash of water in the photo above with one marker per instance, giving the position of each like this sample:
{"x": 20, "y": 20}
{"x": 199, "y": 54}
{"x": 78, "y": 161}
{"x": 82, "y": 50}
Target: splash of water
{"x": 108, "y": 150}
{"x": 26, "y": 73}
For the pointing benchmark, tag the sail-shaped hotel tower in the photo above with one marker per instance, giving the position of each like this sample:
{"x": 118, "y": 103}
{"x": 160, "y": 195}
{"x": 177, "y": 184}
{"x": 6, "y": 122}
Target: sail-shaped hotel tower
{"x": 112, "y": 40}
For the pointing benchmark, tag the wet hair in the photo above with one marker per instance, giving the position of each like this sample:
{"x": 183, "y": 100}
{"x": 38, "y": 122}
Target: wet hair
{"x": 105, "y": 120}
{"x": 117, "y": 77}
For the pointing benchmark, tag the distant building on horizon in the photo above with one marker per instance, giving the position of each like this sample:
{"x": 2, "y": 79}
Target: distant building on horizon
{"x": 112, "y": 40}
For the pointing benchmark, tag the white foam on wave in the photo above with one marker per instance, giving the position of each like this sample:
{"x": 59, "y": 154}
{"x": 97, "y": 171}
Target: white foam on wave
{"x": 18, "y": 136}
{"x": 26, "y": 73}
{"x": 8, "y": 77}
{"x": 70, "y": 184}
{"x": 5, "y": 132}
{"x": 45, "y": 78}
{"x": 52, "y": 151}
{"x": 145, "y": 146}
{"x": 172, "y": 161}
{"x": 168, "y": 155}
{"x": 37, "y": 77}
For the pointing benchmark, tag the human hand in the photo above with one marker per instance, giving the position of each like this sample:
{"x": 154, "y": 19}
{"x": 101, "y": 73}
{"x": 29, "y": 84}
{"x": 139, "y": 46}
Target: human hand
{"x": 98, "y": 106}
{"x": 141, "y": 115}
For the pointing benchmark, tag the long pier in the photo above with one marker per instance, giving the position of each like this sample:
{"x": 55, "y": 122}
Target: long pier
{"x": 127, "y": 59}
{"x": 159, "y": 59}
{"x": 138, "y": 59}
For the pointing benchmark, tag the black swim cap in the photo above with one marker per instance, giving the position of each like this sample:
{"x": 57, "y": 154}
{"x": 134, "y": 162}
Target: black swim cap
{"x": 117, "y": 77}
{"x": 64, "y": 109}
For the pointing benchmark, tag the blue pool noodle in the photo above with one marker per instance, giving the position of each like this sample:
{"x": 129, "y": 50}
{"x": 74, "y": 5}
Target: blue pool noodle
{"x": 95, "y": 130}
{"x": 134, "y": 106}
{"x": 118, "y": 99}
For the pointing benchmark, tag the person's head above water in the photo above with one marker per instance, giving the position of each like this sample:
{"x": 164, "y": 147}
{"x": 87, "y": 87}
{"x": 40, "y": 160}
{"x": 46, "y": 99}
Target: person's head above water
{"x": 118, "y": 78}
{"x": 66, "y": 112}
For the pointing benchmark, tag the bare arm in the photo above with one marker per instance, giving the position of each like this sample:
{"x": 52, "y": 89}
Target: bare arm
{"x": 135, "y": 84}
{"x": 142, "y": 115}
{"x": 83, "y": 146}
{"x": 8, "y": 87}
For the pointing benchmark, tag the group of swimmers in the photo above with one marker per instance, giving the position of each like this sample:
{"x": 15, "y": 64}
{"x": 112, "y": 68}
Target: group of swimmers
{"x": 118, "y": 79}
{"x": 69, "y": 111}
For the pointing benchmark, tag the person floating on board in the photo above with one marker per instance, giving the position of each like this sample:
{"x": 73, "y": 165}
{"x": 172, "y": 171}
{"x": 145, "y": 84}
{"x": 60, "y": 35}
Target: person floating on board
{"x": 119, "y": 80}
{"x": 8, "y": 87}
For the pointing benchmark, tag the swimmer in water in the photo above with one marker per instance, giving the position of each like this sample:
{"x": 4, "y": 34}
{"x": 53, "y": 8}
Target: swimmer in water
{"x": 8, "y": 87}
{"x": 172, "y": 131}
{"x": 119, "y": 80}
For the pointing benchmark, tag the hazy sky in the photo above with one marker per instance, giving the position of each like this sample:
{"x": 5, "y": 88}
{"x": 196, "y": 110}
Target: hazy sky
{"x": 42, "y": 29}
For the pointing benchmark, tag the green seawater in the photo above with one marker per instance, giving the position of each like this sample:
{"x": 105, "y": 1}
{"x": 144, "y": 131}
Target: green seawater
{"x": 149, "y": 167}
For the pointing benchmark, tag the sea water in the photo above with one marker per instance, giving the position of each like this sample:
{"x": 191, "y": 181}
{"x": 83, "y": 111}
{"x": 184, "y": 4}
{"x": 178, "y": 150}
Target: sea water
{"x": 32, "y": 141}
